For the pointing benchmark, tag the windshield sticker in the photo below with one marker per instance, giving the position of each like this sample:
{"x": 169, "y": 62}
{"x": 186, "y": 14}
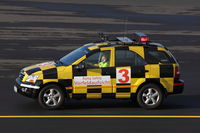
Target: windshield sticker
{"x": 91, "y": 80}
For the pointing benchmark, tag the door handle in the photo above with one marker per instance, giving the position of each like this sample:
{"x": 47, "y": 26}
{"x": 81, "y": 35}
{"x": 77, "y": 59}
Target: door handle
{"x": 146, "y": 71}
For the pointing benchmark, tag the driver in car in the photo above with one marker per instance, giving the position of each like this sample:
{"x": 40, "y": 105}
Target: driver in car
{"x": 104, "y": 61}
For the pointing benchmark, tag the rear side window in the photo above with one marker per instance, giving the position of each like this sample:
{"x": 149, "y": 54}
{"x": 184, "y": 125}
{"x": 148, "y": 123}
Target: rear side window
{"x": 159, "y": 57}
{"x": 128, "y": 58}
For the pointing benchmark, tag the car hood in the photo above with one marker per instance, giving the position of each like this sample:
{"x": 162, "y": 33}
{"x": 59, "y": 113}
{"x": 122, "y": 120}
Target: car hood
{"x": 38, "y": 67}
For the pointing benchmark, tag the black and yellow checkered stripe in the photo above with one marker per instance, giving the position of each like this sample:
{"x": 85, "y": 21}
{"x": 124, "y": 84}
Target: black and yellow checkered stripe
{"x": 164, "y": 76}
{"x": 160, "y": 73}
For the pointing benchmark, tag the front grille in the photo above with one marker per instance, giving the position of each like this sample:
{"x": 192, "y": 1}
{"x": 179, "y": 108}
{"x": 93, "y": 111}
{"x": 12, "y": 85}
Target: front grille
{"x": 21, "y": 75}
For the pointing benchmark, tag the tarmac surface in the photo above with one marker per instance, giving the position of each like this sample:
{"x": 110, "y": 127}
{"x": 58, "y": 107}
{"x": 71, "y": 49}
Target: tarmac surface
{"x": 36, "y": 31}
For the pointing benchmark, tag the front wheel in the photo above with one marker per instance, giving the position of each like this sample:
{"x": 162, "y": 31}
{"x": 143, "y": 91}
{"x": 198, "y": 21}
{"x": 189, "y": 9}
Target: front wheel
{"x": 150, "y": 96}
{"x": 51, "y": 97}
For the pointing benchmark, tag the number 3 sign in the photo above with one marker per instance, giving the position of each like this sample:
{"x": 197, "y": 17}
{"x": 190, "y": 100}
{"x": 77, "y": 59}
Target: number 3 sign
{"x": 123, "y": 75}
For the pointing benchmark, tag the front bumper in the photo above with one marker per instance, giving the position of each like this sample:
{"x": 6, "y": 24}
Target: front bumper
{"x": 178, "y": 86}
{"x": 25, "y": 89}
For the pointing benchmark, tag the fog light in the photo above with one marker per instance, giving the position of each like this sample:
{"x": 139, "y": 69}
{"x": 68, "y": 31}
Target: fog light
{"x": 15, "y": 89}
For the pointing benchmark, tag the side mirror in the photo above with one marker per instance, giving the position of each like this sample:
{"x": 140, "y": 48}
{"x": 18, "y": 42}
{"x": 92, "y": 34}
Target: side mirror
{"x": 80, "y": 66}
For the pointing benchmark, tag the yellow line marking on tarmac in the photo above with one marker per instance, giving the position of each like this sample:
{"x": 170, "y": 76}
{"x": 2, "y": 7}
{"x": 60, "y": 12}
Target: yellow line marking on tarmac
{"x": 99, "y": 116}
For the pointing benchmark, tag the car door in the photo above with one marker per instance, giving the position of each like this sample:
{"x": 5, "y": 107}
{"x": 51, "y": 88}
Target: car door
{"x": 130, "y": 70}
{"x": 94, "y": 81}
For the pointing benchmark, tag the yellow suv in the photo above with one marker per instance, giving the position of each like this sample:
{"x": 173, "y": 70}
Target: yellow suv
{"x": 123, "y": 68}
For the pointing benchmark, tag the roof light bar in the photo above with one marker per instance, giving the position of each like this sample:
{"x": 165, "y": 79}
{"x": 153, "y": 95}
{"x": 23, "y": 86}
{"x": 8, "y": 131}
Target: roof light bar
{"x": 141, "y": 37}
{"x": 125, "y": 39}
{"x": 144, "y": 39}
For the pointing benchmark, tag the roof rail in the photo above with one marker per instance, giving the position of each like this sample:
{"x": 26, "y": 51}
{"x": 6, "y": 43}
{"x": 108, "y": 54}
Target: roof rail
{"x": 138, "y": 38}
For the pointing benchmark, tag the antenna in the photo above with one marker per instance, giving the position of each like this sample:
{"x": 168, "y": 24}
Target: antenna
{"x": 125, "y": 26}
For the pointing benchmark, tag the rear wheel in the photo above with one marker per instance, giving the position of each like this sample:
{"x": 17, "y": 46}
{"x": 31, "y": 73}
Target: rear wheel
{"x": 51, "y": 97}
{"x": 150, "y": 96}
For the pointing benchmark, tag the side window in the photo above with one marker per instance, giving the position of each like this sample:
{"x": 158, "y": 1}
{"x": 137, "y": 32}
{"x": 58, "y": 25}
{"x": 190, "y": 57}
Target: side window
{"x": 159, "y": 56}
{"x": 128, "y": 58}
{"x": 98, "y": 59}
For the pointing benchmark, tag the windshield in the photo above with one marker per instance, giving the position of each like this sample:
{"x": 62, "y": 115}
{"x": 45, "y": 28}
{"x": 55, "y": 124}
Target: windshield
{"x": 74, "y": 55}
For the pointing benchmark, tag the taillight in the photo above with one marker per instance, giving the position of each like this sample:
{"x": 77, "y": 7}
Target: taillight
{"x": 177, "y": 72}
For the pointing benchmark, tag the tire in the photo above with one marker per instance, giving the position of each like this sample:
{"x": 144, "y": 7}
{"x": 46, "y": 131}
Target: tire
{"x": 51, "y": 97}
{"x": 150, "y": 96}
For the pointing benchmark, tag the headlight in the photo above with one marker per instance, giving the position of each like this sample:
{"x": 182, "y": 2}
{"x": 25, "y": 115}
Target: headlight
{"x": 32, "y": 78}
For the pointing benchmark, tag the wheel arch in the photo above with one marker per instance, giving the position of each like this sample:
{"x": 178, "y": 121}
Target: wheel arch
{"x": 152, "y": 82}
{"x": 55, "y": 83}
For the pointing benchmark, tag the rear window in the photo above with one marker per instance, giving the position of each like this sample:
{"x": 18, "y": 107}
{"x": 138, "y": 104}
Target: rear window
{"x": 159, "y": 57}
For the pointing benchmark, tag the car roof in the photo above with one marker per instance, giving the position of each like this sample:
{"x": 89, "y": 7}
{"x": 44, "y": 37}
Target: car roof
{"x": 115, "y": 43}
{"x": 137, "y": 39}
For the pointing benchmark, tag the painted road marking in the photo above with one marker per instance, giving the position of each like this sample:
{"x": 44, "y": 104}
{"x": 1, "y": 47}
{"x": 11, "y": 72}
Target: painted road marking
{"x": 100, "y": 116}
